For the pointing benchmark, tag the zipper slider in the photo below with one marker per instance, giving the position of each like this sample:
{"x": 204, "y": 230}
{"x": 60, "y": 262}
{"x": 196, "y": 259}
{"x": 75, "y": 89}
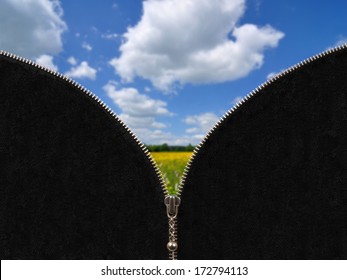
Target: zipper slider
{"x": 172, "y": 202}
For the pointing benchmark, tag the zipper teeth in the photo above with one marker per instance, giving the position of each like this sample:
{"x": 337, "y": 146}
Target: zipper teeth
{"x": 243, "y": 101}
{"x": 99, "y": 102}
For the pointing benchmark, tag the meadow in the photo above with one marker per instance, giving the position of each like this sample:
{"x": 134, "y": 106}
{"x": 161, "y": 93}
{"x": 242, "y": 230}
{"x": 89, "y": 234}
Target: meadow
{"x": 172, "y": 165}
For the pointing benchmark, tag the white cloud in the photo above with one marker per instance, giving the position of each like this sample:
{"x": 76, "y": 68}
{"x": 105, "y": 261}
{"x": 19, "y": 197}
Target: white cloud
{"x": 201, "y": 123}
{"x": 87, "y": 46}
{"x": 257, "y": 5}
{"x": 31, "y": 28}
{"x": 236, "y": 100}
{"x": 273, "y": 74}
{"x": 158, "y": 136}
{"x": 139, "y": 112}
{"x": 133, "y": 103}
{"x": 71, "y": 60}
{"x": 342, "y": 40}
{"x": 94, "y": 29}
{"x": 81, "y": 71}
{"x": 189, "y": 41}
{"x": 47, "y": 61}
{"x": 110, "y": 36}
{"x": 339, "y": 42}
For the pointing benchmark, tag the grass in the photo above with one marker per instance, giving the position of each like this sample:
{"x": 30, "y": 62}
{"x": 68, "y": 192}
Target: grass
{"x": 172, "y": 165}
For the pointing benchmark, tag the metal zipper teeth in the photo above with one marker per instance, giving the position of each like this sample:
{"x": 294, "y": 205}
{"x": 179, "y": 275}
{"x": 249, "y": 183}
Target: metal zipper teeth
{"x": 102, "y": 104}
{"x": 244, "y": 101}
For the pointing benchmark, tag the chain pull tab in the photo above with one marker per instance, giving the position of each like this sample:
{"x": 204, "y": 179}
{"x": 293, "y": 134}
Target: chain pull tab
{"x": 172, "y": 202}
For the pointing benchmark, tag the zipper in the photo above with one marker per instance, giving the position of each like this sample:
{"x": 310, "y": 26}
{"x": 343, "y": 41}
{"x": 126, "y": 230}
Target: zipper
{"x": 172, "y": 202}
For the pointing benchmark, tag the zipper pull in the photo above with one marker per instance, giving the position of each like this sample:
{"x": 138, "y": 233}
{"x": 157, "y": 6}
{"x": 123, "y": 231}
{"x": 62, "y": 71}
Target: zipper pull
{"x": 172, "y": 202}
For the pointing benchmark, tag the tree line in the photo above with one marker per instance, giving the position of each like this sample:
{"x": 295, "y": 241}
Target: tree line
{"x": 166, "y": 148}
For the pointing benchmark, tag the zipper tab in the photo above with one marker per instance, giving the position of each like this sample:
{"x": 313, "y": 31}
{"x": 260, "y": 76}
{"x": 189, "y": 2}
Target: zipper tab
{"x": 172, "y": 202}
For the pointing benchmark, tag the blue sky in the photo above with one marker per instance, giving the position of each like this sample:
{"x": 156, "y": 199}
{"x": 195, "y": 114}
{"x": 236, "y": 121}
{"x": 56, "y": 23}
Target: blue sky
{"x": 170, "y": 68}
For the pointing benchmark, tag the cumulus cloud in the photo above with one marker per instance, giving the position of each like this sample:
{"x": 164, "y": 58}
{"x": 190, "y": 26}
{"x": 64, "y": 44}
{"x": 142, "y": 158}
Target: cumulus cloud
{"x": 154, "y": 136}
{"x": 342, "y": 40}
{"x": 271, "y": 75}
{"x": 31, "y": 28}
{"x": 133, "y": 103}
{"x": 158, "y": 136}
{"x": 47, "y": 61}
{"x": 274, "y": 74}
{"x": 87, "y": 46}
{"x": 140, "y": 112}
{"x": 236, "y": 100}
{"x": 189, "y": 41}
{"x": 71, "y": 60}
{"x": 109, "y": 36}
{"x": 81, "y": 71}
{"x": 201, "y": 124}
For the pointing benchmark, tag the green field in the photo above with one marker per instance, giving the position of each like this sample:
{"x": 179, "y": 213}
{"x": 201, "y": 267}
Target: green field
{"x": 171, "y": 165}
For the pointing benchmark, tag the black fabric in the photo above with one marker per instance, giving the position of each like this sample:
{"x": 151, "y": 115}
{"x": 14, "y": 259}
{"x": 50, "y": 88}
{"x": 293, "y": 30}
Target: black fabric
{"x": 74, "y": 184}
{"x": 271, "y": 180}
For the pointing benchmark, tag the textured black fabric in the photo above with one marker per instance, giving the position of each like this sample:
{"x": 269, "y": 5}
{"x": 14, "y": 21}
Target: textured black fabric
{"x": 271, "y": 181}
{"x": 74, "y": 184}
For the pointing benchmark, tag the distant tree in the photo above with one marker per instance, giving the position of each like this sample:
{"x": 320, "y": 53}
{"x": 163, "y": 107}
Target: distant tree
{"x": 189, "y": 148}
{"x": 166, "y": 148}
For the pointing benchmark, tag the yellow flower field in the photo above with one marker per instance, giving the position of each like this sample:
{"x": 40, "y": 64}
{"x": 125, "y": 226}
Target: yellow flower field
{"x": 171, "y": 165}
